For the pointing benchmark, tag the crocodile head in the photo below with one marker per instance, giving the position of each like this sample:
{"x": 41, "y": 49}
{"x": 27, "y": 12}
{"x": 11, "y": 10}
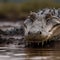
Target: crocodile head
{"x": 42, "y": 27}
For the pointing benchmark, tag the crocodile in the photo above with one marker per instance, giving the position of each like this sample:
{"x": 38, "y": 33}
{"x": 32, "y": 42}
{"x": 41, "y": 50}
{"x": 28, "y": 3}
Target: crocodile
{"x": 41, "y": 27}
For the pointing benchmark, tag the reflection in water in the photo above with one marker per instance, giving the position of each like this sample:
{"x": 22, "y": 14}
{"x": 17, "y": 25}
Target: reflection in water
{"x": 15, "y": 52}
{"x": 45, "y": 54}
{"x": 30, "y": 54}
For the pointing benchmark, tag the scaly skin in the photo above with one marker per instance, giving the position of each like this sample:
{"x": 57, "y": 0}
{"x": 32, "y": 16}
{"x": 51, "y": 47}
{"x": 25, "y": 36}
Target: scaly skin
{"x": 43, "y": 28}
{"x": 41, "y": 38}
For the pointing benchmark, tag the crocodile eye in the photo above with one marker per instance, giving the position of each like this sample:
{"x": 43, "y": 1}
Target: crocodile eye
{"x": 32, "y": 17}
{"x": 48, "y": 16}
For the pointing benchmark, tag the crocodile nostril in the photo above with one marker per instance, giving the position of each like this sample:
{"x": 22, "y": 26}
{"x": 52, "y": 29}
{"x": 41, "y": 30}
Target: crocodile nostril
{"x": 40, "y": 32}
{"x": 29, "y": 33}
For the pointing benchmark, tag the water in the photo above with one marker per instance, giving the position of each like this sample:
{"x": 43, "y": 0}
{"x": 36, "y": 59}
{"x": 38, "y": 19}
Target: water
{"x": 19, "y": 52}
{"x": 30, "y": 53}
{"x": 15, "y": 53}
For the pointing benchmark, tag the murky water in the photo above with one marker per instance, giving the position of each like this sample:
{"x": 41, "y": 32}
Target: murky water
{"x": 12, "y": 52}
{"x": 49, "y": 53}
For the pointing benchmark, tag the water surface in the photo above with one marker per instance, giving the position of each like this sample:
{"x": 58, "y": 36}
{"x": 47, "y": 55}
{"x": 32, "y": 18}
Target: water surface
{"x": 14, "y": 52}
